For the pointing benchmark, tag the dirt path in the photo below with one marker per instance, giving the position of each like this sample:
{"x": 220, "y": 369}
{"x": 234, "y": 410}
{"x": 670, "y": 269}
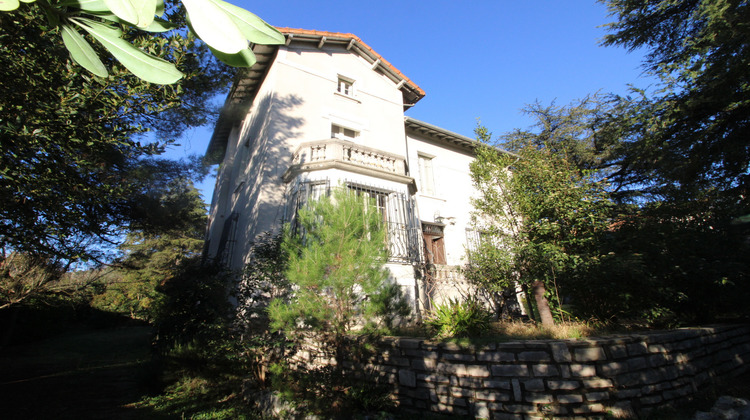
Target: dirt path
{"x": 87, "y": 374}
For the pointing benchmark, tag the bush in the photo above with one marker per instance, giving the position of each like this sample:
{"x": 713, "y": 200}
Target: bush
{"x": 336, "y": 269}
{"x": 467, "y": 318}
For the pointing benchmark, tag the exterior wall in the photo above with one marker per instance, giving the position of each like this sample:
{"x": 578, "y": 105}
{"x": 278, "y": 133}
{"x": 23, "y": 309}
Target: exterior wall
{"x": 270, "y": 152}
{"x": 296, "y": 103}
{"x": 576, "y": 378}
{"x": 450, "y": 204}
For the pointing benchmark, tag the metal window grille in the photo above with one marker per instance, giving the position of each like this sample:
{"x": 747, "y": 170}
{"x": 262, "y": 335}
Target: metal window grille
{"x": 228, "y": 240}
{"x": 397, "y": 209}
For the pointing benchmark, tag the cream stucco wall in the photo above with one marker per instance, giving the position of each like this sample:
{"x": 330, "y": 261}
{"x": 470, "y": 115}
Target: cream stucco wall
{"x": 451, "y": 200}
{"x": 296, "y": 103}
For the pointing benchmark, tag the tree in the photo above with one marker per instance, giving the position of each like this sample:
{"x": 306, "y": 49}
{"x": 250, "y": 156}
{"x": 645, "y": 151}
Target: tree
{"x": 539, "y": 214}
{"x": 155, "y": 248}
{"x": 336, "y": 270}
{"x": 682, "y": 153}
{"x": 226, "y": 29}
{"x": 71, "y": 161}
{"x": 692, "y": 136}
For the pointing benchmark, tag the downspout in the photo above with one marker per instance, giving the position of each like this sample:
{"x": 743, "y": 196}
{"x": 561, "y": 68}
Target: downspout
{"x": 417, "y": 274}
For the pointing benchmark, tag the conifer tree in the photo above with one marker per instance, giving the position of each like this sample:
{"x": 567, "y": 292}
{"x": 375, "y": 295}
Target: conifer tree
{"x": 336, "y": 268}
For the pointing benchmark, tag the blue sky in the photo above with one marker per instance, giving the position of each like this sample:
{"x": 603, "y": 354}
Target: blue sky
{"x": 474, "y": 59}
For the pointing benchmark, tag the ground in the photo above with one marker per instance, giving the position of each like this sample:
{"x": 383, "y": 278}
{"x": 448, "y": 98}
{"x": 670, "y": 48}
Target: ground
{"x": 109, "y": 373}
{"x": 79, "y": 374}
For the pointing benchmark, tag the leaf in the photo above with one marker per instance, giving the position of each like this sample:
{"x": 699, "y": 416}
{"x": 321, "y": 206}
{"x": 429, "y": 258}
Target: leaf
{"x": 145, "y": 66}
{"x": 137, "y": 12}
{"x": 93, "y": 6}
{"x": 82, "y": 52}
{"x": 244, "y": 58}
{"x": 8, "y": 5}
{"x": 255, "y": 29}
{"x": 214, "y": 26}
{"x": 158, "y": 25}
{"x": 146, "y": 12}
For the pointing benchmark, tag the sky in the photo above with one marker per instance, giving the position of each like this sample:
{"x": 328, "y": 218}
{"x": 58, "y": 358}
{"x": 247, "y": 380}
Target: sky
{"x": 479, "y": 59}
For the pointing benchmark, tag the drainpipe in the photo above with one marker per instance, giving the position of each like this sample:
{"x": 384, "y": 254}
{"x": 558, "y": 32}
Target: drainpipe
{"x": 417, "y": 293}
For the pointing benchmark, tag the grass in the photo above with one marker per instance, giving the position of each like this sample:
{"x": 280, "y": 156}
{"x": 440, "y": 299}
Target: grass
{"x": 80, "y": 373}
{"x": 524, "y": 331}
{"x": 197, "y": 398}
{"x": 111, "y": 373}
{"x": 502, "y": 331}
{"x": 198, "y": 387}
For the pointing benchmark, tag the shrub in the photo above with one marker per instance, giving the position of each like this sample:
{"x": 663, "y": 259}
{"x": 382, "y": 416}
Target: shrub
{"x": 336, "y": 268}
{"x": 455, "y": 318}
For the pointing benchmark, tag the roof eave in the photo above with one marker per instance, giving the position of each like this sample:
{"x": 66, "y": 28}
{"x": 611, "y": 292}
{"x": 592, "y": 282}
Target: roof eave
{"x": 247, "y": 81}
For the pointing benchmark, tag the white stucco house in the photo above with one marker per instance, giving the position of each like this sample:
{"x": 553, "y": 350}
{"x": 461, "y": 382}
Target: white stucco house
{"x": 325, "y": 109}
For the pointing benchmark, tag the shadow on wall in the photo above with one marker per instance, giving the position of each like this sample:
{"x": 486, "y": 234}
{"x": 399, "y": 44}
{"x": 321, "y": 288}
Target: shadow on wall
{"x": 268, "y": 145}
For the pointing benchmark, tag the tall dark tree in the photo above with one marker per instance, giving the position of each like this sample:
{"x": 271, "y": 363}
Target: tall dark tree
{"x": 682, "y": 159}
{"x": 71, "y": 144}
{"x": 693, "y": 135}
{"x": 168, "y": 235}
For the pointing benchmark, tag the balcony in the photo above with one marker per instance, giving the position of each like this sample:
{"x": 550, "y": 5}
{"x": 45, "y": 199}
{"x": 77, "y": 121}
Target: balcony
{"x": 348, "y": 156}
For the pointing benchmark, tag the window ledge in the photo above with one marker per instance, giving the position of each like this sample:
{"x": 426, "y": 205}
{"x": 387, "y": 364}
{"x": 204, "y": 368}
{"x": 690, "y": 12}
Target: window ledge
{"x": 353, "y": 99}
{"x": 432, "y": 197}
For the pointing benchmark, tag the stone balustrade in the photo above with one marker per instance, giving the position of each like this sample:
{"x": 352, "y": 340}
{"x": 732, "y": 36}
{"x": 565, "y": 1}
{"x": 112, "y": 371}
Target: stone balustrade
{"x": 335, "y": 150}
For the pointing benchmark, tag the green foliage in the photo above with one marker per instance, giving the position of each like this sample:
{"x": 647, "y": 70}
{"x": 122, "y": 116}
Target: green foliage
{"x": 194, "y": 305}
{"x": 24, "y": 276}
{"x": 692, "y": 135}
{"x": 169, "y": 232}
{"x": 330, "y": 391}
{"x": 335, "y": 267}
{"x": 390, "y": 306}
{"x": 467, "y": 318}
{"x": 263, "y": 280}
{"x": 70, "y": 199}
{"x": 678, "y": 251}
{"x": 538, "y": 211}
{"x": 226, "y": 29}
{"x": 688, "y": 268}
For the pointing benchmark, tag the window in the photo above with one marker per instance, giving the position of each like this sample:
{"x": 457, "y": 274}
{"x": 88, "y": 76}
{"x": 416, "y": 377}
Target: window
{"x": 345, "y": 86}
{"x": 377, "y": 198}
{"x": 343, "y": 133}
{"x": 228, "y": 240}
{"x": 426, "y": 178}
{"x": 434, "y": 243}
{"x": 396, "y": 211}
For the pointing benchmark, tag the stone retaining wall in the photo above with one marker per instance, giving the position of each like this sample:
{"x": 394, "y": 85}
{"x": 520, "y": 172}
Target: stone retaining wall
{"x": 561, "y": 378}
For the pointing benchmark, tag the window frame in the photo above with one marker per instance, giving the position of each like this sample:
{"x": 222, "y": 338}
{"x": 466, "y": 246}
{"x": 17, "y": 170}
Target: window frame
{"x": 426, "y": 164}
{"x": 348, "y": 84}
{"x": 341, "y": 132}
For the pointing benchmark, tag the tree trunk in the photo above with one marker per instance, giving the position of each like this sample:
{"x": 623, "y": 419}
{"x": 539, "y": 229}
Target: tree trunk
{"x": 541, "y": 304}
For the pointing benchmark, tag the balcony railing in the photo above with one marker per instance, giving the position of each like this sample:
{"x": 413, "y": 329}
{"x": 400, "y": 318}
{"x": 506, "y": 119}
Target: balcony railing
{"x": 324, "y": 153}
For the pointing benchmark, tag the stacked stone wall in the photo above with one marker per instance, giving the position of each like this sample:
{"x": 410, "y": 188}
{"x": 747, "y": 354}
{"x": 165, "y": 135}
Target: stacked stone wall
{"x": 594, "y": 377}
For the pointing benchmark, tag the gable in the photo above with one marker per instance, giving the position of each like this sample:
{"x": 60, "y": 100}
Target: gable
{"x": 248, "y": 81}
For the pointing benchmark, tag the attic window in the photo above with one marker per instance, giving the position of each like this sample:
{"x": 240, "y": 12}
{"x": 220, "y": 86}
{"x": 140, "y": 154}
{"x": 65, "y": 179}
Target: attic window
{"x": 343, "y": 133}
{"x": 345, "y": 86}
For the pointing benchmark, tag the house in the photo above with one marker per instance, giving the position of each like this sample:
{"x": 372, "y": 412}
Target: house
{"x": 325, "y": 109}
